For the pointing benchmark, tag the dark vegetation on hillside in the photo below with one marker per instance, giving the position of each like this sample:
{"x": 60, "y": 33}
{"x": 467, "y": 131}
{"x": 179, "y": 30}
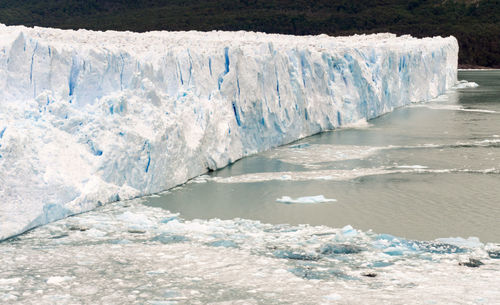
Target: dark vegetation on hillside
{"x": 475, "y": 23}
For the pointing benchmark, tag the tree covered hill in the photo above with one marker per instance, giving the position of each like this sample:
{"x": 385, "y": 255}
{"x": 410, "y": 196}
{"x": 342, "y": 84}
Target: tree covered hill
{"x": 475, "y": 23}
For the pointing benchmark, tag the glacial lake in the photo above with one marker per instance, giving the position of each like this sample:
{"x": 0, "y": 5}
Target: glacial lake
{"x": 403, "y": 210}
{"x": 422, "y": 172}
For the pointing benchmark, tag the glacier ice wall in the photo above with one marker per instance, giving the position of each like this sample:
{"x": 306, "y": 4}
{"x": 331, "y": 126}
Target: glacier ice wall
{"x": 93, "y": 117}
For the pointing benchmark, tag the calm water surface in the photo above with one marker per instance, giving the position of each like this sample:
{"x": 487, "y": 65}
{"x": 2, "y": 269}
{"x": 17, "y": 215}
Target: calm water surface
{"x": 421, "y": 172}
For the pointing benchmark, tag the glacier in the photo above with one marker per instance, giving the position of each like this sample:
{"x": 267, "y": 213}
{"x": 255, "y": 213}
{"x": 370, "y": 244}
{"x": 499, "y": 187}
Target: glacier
{"x": 88, "y": 118}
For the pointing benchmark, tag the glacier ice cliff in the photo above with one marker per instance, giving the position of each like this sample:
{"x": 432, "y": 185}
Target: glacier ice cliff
{"x": 89, "y": 117}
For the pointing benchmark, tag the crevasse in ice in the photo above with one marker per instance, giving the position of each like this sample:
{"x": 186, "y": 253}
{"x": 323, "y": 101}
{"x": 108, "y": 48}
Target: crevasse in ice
{"x": 88, "y": 117}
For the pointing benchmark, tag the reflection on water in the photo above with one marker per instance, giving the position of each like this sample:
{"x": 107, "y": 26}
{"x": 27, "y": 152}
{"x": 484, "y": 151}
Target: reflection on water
{"x": 425, "y": 171}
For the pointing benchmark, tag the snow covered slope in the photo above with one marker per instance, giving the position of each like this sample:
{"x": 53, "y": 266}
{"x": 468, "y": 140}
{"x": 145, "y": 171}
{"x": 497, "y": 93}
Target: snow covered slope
{"x": 88, "y": 117}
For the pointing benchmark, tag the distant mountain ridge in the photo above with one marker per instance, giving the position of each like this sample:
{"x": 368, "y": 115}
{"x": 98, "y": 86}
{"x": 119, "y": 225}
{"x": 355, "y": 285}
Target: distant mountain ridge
{"x": 475, "y": 23}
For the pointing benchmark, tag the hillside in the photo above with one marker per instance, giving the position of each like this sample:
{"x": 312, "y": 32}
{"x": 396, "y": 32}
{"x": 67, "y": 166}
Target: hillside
{"x": 475, "y": 23}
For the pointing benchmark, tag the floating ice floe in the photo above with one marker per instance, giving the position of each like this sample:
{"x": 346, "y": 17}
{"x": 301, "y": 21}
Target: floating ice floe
{"x": 412, "y": 166}
{"x": 451, "y": 107}
{"x": 463, "y": 84}
{"x": 345, "y": 175}
{"x": 312, "y": 155}
{"x": 306, "y": 199}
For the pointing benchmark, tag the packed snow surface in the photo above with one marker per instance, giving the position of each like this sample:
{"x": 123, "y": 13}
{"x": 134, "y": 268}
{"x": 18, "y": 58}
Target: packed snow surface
{"x": 90, "y": 117}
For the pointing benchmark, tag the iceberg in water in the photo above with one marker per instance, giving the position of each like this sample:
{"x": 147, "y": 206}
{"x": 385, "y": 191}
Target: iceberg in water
{"x": 89, "y": 117}
{"x": 305, "y": 199}
{"x": 463, "y": 84}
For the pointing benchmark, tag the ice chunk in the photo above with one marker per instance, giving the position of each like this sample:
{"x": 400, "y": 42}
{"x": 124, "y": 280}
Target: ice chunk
{"x": 57, "y": 280}
{"x": 471, "y": 242}
{"x": 169, "y": 239}
{"x": 329, "y": 249}
{"x": 135, "y": 219}
{"x": 452, "y": 107}
{"x": 9, "y": 281}
{"x": 307, "y": 199}
{"x": 333, "y": 297}
{"x": 463, "y": 84}
{"x": 223, "y": 243}
{"x": 412, "y": 166}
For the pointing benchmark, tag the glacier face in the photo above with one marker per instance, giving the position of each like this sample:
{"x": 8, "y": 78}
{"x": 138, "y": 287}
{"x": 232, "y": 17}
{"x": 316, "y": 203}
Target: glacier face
{"x": 93, "y": 117}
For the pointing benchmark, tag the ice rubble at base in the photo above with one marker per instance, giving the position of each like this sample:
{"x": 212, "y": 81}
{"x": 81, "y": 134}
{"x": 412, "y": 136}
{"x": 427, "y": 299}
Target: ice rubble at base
{"x": 129, "y": 249}
{"x": 90, "y": 117}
